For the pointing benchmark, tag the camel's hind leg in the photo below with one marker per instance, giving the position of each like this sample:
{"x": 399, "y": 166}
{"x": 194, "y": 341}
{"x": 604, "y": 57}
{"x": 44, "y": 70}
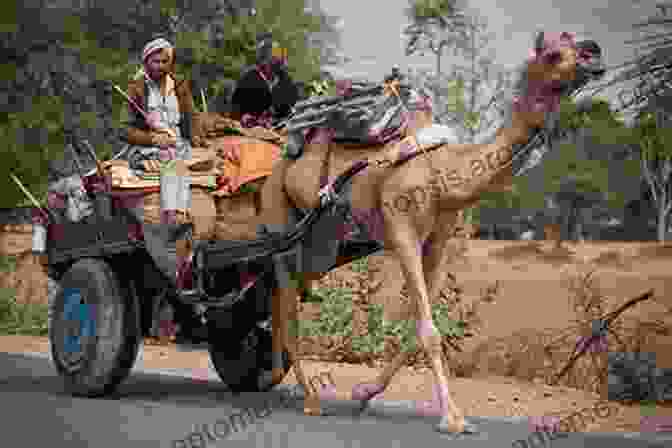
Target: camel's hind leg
{"x": 276, "y": 210}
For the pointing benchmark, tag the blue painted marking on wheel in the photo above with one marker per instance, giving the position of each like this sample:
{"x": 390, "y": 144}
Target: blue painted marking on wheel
{"x": 83, "y": 314}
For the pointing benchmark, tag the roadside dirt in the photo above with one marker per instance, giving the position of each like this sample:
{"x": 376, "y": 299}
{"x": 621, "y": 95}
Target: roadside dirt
{"x": 531, "y": 295}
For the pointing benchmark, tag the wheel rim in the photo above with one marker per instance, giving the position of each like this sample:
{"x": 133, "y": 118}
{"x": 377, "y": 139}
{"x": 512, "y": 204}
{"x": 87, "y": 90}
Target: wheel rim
{"x": 77, "y": 321}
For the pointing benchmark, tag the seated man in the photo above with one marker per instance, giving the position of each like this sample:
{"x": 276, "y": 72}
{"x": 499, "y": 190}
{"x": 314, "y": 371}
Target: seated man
{"x": 264, "y": 91}
{"x": 161, "y": 113}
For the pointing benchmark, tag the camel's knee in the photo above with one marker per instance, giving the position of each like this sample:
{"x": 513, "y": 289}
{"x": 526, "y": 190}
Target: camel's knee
{"x": 432, "y": 345}
{"x": 430, "y": 338}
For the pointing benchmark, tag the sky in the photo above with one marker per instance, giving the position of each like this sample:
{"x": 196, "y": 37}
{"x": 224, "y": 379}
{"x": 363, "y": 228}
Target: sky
{"x": 371, "y": 30}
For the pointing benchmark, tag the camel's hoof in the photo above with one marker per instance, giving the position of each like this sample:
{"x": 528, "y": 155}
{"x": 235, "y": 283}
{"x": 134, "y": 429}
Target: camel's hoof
{"x": 429, "y": 408}
{"x": 316, "y": 412}
{"x": 311, "y": 405}
{"x": 364, "y": 392}
{"x": 454, "y": 429}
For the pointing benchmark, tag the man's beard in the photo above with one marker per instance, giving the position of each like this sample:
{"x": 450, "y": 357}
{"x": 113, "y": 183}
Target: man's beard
{"x": 156, "y": 74}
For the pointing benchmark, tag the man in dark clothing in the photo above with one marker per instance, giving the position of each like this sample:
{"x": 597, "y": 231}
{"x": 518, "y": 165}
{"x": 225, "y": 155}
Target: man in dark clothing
{"x": 265, "y": 90}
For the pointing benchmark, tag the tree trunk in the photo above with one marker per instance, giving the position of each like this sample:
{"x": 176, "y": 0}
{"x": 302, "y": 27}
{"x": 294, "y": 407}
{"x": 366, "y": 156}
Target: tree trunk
{"x": 576, "y": 223}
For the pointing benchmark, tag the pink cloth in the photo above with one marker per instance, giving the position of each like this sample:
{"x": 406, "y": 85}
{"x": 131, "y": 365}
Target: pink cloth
{"x": 343, "y": 87}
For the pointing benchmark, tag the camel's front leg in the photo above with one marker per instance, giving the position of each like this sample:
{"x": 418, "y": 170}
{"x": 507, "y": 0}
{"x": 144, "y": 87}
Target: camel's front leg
{"x": 409, "y": 249}
{"x": 435, "y": 256}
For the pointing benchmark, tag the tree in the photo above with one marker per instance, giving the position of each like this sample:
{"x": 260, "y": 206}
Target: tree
{"x": 436, "y": 25}
{"x": 470, "y": 97}
{"x": 653, "y": 103}
{"x": 581, "y": 172}
{"x": 651, "y": 136}
{"x": 58, "y": 61}
{"x": 482, "y": 82}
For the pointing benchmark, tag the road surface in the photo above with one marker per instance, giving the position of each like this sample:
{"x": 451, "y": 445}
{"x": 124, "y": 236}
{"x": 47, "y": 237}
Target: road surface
{"x": 161, "y": 409}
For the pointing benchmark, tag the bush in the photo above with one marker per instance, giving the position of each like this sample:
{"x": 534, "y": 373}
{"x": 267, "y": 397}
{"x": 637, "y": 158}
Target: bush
{"x": 24, "y": 319}
{"x": 336, "y": 318}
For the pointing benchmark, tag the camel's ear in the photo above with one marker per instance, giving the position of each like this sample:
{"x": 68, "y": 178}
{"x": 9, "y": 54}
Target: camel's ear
{"x": 539, "y": 42}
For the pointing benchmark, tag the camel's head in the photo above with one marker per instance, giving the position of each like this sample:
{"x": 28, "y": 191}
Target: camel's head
{"x": 557, "y": 66}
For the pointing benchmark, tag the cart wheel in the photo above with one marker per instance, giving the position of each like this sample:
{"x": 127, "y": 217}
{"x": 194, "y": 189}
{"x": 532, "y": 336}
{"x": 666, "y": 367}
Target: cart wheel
{"x": 245, "y": 366}
{"x": 95, "y": 332}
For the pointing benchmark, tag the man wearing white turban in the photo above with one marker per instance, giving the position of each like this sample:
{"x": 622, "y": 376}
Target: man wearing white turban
{"x": 163, "y": 134}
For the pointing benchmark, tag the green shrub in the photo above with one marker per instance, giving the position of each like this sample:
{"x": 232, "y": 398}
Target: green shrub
{"x": 24, "y": 319}
{"x": 336, "y": 319}
{"x": 360, "y": 265}
{"x": 7, "y": 263}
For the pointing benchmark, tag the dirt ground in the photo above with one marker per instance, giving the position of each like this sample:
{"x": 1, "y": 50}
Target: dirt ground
{"x": 531, "y": 295}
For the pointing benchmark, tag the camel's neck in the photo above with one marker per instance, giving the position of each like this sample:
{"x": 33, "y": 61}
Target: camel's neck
{"x": 493, "y": 163}
{"x": 511, "y": 142}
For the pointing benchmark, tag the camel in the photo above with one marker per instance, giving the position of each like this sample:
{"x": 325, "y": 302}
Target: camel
{"x": 419, "y": 235}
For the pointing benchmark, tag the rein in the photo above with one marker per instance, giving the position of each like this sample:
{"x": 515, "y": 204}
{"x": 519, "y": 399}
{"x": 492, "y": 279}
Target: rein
{"x": 328, "y": 193}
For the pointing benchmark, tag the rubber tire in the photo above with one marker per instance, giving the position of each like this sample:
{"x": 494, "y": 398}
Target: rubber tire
{"x": 241, "y": 366}
{"x": 108, "y": 357}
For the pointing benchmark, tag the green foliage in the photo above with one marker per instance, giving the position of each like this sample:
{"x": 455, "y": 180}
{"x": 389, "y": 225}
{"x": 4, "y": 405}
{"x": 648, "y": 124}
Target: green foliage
{"x": 361, "y": 265}
{"x": 7, "y": 263}
{"x": 109, "y": 46}
{"x": 322, "y": 88}
{"x": 654, "y": 141}
{"x": 568, "y": 165}
{"x": 28, "y": 159}
{"x": 336, "y": 319}
{"x": 288, "y": 22}
{"x": 454, "y": 96}
{"x": 514, "y": 199}
{"x": 335, "y": 314}
{"x": 373, "y": 341}
{"x": 434, "y": 26}
{"x": 24, "y": 319}
{"x": 432, "y": 9}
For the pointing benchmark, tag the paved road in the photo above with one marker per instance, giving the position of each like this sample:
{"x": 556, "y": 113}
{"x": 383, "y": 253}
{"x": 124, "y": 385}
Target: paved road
{"x": 154, "y": 409}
